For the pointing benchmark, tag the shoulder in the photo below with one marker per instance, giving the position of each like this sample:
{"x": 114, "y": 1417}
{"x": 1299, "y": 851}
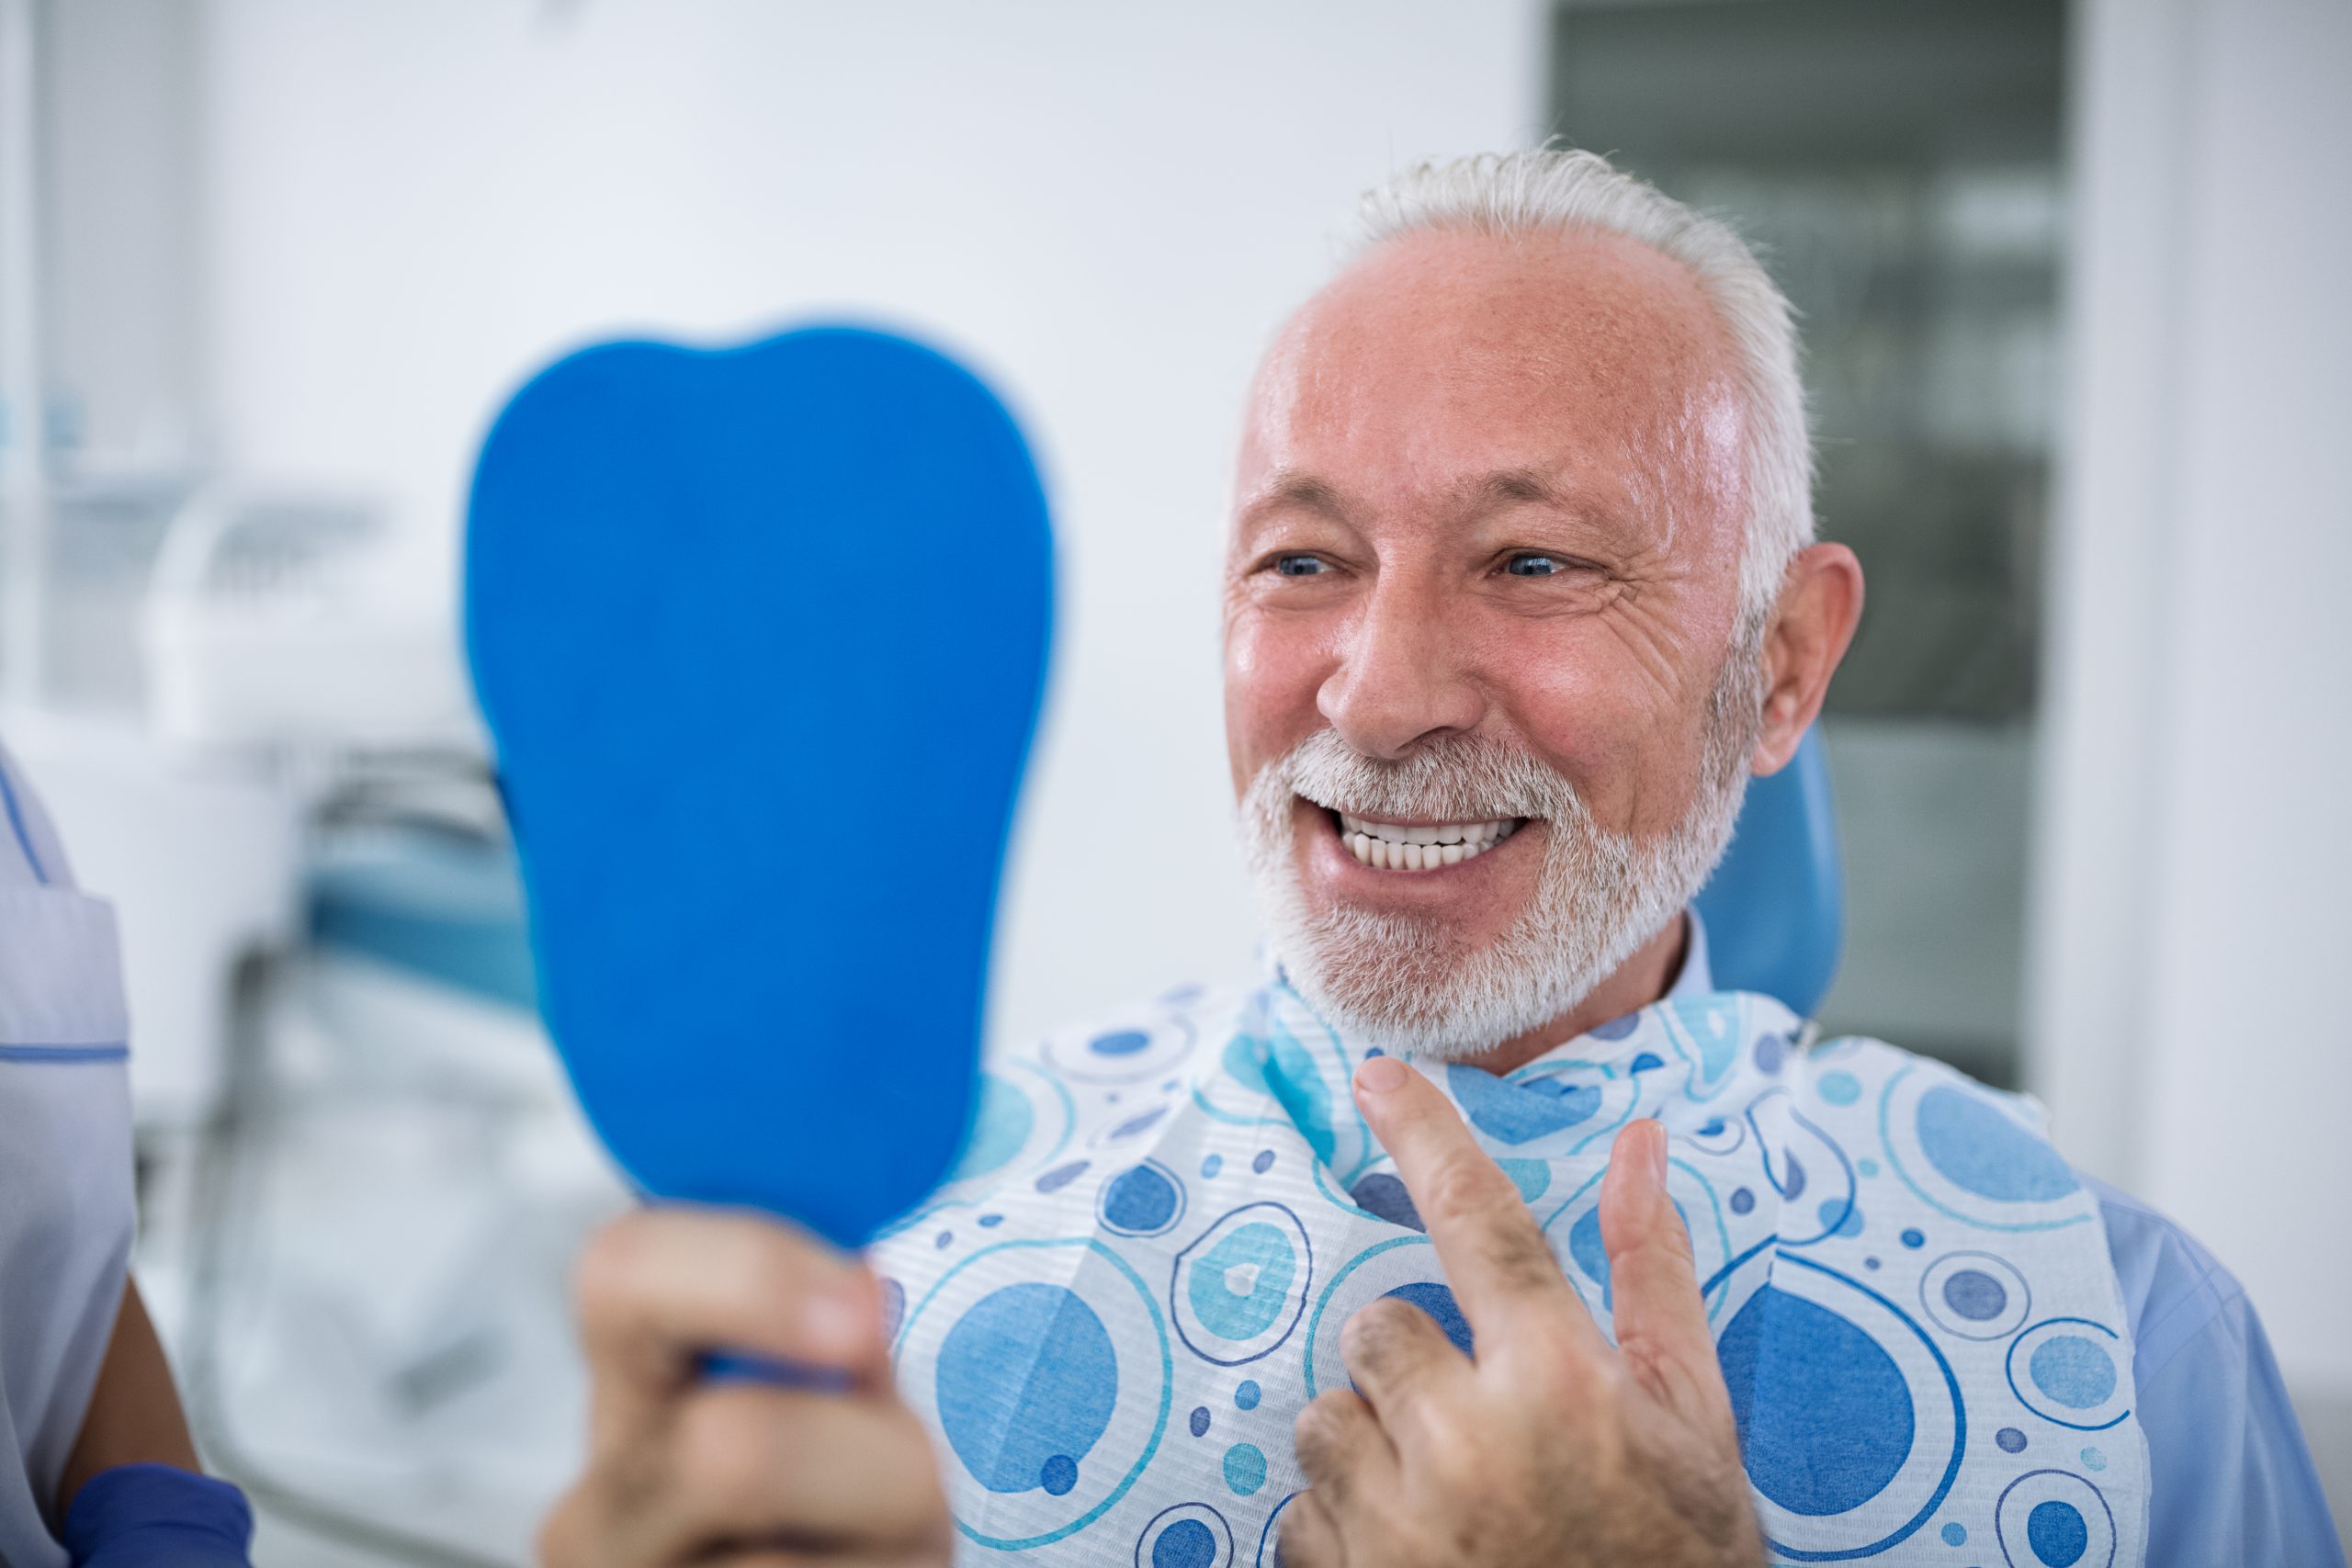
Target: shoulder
{"x": 1994, "y": 1144}
{"x": 2231, "y": 1475}
{"x": 2172, "y": 1288}
{"x": 30, "y": 852}
{"x": 1956, "y": 1120}
{"x": 1875, "y": 1059}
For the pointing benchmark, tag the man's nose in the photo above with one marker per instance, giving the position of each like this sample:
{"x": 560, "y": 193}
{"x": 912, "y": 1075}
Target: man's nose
{"x": 1400, "y": 678}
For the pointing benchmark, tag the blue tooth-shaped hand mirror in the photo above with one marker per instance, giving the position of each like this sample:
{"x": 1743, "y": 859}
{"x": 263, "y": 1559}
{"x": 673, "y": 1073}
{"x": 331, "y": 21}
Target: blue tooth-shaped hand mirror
{"x": 761, "y": 636}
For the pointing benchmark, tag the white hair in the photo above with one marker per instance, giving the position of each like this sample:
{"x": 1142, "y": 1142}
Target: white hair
{"x": 1558, "y": 189}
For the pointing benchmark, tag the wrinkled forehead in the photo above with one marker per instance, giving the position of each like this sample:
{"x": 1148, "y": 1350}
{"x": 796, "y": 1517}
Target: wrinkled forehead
{"x": 1442, "y": 358}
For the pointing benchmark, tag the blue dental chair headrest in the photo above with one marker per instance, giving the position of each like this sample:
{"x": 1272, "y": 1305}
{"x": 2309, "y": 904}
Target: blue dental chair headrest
{"x": 1776, "y": 906}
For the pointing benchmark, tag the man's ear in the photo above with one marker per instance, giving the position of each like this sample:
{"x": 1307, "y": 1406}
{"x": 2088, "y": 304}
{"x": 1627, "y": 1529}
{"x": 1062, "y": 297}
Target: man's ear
{"x": 1821, "y": 604}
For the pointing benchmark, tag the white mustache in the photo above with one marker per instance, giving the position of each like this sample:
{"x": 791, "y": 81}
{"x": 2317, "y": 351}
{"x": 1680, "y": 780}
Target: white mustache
{"x": 1459, "y": 778}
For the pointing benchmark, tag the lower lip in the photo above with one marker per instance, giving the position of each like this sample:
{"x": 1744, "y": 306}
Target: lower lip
{"x": 1329, "y": 858}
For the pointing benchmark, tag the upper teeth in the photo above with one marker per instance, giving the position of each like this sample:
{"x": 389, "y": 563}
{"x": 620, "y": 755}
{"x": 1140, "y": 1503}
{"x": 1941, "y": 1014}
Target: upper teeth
{"x": 1396, "y": 848}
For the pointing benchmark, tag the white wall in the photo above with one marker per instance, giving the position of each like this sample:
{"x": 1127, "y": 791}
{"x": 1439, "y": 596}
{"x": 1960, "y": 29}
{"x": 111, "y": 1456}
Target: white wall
{"x": 117, "y": 280}
{"x": 2192, "y": 917}
{"x": 1108, "y": 206}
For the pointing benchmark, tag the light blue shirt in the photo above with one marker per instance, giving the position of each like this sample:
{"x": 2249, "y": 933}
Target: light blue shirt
{"x": 2231, "y": 1480}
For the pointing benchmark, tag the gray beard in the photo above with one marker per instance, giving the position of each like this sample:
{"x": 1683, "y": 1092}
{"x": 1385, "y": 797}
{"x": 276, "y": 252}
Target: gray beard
{"x": 1411, "y": 986}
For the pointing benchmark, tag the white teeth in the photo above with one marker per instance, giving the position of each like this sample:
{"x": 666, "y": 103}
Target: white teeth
{"x": 1389, "y": 846}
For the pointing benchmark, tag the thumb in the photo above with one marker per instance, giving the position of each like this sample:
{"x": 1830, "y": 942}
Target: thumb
{"x": 1652, "y": 1280}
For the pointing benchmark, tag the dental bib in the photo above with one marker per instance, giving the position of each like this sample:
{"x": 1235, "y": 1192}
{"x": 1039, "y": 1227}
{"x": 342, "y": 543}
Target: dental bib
{"x": 1116, "y": 1310}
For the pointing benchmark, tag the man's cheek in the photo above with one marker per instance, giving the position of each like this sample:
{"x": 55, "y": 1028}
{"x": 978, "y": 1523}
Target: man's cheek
{"x": 1270, "y": 683}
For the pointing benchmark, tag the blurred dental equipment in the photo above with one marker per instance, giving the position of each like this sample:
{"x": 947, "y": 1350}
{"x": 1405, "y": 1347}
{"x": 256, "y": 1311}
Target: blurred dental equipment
{"x": 363, "y": 1177}
{"x": 360, "y": 1176}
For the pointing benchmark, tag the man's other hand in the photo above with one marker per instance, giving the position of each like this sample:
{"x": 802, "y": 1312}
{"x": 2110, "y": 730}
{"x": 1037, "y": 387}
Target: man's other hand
{"x": 684, "y": 1468}
{"x": 1552, "y": 1448}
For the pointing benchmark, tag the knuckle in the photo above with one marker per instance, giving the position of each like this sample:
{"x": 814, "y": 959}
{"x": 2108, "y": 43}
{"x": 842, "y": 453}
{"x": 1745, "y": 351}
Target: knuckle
{"x": 611, "y": 1267}
{"x": 1515, "y": 1255}
{"x": 1466, "y": 1467}
{"x": 1375, "y": 1332}
{"x": 1558, "y": 1360}
{"x": 1468, "y": 1185}
{"x": 769, "y": 1267}
{"x": 1454, "y": 1431}
{"x": 923, "y": 1498}
{"x": 1318, "y": 1433}
{"x": 1591, "y": 1385}
{"x": 1299, "y": 1543}
{"x": 1556, "y": 1379}
{"x": 766, "y": 1282}
{"x": 1662, "y": 1245}
{"x": 1668, "y": 1229}
{"x": 1308, "y": 1435}
{"x": 725, "y": 1456}
{"x": 628, "y": 1483}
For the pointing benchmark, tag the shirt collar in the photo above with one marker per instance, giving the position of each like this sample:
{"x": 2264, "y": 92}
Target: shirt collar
{"x": 1697, "y": 977}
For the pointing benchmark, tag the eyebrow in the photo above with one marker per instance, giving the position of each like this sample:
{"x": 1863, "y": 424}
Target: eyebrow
{"x": 1292, "y": 489}
{"x": 1505, "y": 487}
{"x": 1515, "y": 485}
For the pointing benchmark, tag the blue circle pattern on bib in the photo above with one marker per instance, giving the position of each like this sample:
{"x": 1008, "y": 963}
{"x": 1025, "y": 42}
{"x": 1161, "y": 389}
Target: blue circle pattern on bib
{"x": 1190, "y": 1535}
{"x": 1913, "y": 1309}
{"x": 1037, "y": 1387}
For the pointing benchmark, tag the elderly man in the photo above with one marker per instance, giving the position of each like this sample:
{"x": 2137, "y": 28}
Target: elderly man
{"x": 1484, "y": 1230}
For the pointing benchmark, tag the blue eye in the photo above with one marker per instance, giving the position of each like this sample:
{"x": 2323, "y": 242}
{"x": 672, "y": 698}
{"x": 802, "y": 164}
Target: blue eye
{"x": 1535, "y": 566}
{"x": 1297, "y": 566}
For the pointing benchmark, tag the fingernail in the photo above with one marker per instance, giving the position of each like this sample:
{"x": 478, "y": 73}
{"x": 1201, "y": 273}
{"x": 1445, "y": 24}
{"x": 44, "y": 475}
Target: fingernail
{"x": 1657, "y": 1154}
{"x": 1382, "y": 1074}
{"x": 833, "y": 1321}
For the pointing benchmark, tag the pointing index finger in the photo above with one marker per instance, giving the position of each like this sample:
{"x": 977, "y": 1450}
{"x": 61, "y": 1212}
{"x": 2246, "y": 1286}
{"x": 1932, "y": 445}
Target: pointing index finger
{"x": 1504, "y": 1277}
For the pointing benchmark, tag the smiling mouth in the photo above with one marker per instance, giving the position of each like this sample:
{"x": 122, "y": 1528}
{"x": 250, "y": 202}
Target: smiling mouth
{"x": 1395, "y": 846}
